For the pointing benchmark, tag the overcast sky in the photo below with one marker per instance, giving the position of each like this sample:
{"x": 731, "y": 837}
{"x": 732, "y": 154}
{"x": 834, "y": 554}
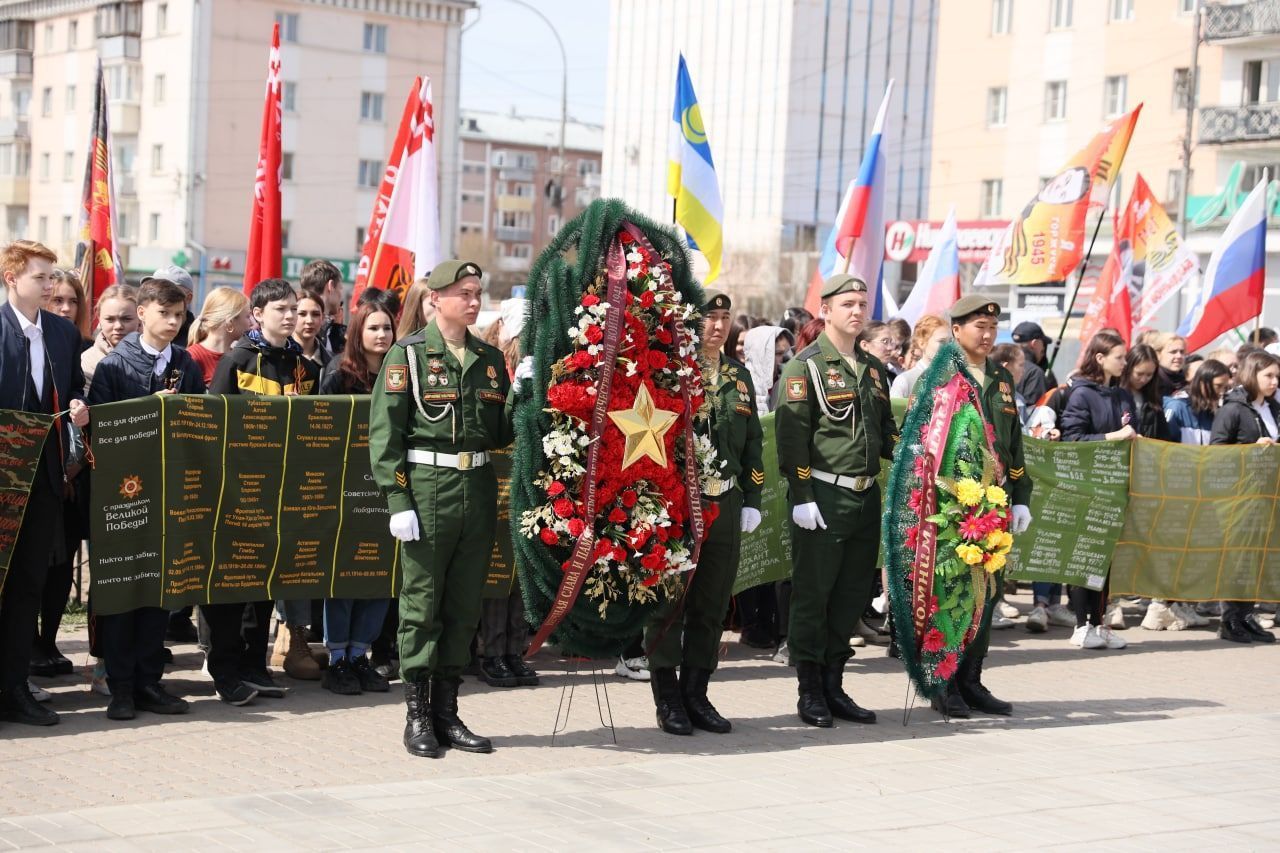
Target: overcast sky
{"x": 510, "y": 58}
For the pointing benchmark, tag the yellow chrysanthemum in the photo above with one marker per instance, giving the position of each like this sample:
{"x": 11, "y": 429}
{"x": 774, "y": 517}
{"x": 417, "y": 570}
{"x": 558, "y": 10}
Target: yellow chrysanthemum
{"x": 996, "y": 563}
{"x": 999, "y": 540}
{"x": 969, "y": 492}
{"x": 971, "y": 554}
{"x": 997, "y": 496}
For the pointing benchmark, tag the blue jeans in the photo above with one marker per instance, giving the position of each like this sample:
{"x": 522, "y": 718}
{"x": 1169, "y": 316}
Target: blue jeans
{"x": 1046, "y": 593}
{"x": 295, "y": 612}
{"x": 353, "y": 623}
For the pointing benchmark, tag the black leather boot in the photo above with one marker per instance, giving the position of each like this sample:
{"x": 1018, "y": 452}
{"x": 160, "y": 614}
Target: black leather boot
{"x": 812, "y": 706}
{"x": 950, "y": 703}
{"x": 702, "y": 714}
{"x": 449, "y": 727}
{"x": 17, "y": 706}
{"x": 838, "y": 701}
{"x": 419, "y": 737}
{"x": 975, "y": 694}
{"x": 668, "y": 703}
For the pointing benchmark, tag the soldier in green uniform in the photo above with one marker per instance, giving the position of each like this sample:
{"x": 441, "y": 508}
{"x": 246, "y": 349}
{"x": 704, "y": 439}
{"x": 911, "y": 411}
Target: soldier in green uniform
{"x": 834, "y": 425}
{"x": 974, "y": 320}
{"x": 734, "y": 428}
{"x": 439, "y": 407}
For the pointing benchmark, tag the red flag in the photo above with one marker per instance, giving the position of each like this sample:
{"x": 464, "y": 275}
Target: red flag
{"x": 1110, "y": 306}
{"x": 263, "y": 259}
{"x": 403, "y": 240}
{"x": 96, "y": 254}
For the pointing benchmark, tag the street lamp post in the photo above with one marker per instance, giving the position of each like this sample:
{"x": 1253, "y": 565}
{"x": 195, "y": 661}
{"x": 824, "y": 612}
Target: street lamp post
{"x": 558, "y": 200}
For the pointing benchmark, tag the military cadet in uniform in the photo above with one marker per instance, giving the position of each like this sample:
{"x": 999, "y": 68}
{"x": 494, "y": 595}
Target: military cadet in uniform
{"x": 734, "y": 428}
{"x": 834, "y": 425}
{"x": 438, "y": 409}
{"x": 974, "y": 320}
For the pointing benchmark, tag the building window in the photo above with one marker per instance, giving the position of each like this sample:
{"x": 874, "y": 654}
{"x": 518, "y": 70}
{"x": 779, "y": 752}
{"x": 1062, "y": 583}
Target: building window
{"x": 288, "y": 22}
{"x": 157, "y": 89}
{"x": 285, "y": 227}
{"x": 370, "y": 174}
{"x": 1001, "y": 16}
{"x": 371, "y": 106}
{"x": 286, "y": 165}
{"x": 46, "y": 101}
{"x": 1181, "y": 88}
{"x": 553, "y": 225}
{"x": 1114, "y": 93}
{"x": 1186, "y": 7}
{"x": 162, "y": 18}
{"x": 523, "y": 190}
{"x": 1261, "y": 82}
{"x": 375, "y": 38}
{"x": 71, "y": 99}
{"x": 360, "y": 237}
{"x": 42, "y": 229}
{"x": 992, "y": 197}
{"x": 44, "y": 167}
{"x": 6, "y": 159}
{"x": 520, "y": 250}
{"x": 289, "y": 96}
{"x": 68, "y": 165}
{"x": 997, "y": 106}
{"x": 1055, "y": 100}
{"x": 66, "y": 229}
{"x": 48, "y": 38}
{"x": 1254, "y": 172}
{"x": 1173, "y": 193}
{"x": 122, "y": 82}
{"x": 73, "y": 34}
{"x": 1122, "y": 10}
{"x": 1060, "y": 14}
{"x": 154, "y": 230}
{"x": 588, "y": 167}
{"x": 157, "y": 159}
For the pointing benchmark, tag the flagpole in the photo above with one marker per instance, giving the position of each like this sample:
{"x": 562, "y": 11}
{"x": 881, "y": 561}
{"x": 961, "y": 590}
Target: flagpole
{"x": 1066, "y": 314}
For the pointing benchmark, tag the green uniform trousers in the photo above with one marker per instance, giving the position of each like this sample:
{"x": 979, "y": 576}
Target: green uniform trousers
{"x": 707, "y": 600}
{"x": 444, "y": 570}
{"x": 832, "y": 573}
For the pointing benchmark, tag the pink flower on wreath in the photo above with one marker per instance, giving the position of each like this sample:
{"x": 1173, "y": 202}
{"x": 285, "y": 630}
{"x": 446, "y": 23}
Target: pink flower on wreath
{"x": 992, "y": 520}
{"x": 933, "y": 641}
{"x": 991, "y": 433}
{"x": 933, "y": 604}
{"x": 946, "y": 667}
{"x": 921, "y": 466}
{"x": 590, "y": 300}
{"x": 913, "y": 536}
{"x": 916, "y": 500}
{"x": 972, "y": 528}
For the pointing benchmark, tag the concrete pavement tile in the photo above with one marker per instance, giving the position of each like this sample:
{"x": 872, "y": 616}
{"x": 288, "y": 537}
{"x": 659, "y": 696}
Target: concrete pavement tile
{"x": 60, "y": 829}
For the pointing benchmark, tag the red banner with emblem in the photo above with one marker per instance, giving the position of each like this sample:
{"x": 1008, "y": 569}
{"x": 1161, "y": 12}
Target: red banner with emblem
{"x": 96, "y": 255}
{"x": 264, "y": 256}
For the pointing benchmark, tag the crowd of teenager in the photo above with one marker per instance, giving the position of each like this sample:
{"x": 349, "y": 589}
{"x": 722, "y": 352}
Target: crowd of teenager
{"x": 284, "y": 339}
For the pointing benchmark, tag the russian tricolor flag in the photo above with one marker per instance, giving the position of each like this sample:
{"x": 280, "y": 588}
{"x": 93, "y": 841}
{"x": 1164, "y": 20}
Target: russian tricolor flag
{"x": 938, "y": 287}
{"x": 1231, "y": 293}
{"x": 859, "y": 231}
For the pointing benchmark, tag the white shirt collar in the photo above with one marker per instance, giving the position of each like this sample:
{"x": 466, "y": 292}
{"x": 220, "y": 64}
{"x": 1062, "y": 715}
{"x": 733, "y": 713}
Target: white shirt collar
{"x": 166, "y": 354}
{"x": 24, "y": 323}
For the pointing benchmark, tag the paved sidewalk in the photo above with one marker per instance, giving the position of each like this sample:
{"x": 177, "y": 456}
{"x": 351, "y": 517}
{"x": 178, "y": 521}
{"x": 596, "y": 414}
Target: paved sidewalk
{"x": 1170, "y": 744}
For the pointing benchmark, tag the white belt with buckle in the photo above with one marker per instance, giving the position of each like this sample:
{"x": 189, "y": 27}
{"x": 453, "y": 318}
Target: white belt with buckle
{"x": 855, "y": 484}
{"x": 716, "y": 488}
{"x": 464, "y": 461}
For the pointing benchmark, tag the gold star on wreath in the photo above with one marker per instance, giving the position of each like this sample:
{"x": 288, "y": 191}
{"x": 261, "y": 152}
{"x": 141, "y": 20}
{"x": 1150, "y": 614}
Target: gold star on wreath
{"x": 644, "y": 425}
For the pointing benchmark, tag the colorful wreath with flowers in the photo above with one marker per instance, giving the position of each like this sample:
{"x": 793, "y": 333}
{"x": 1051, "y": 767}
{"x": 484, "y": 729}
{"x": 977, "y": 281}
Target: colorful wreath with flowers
{"x": 946, "y": 525}
{"x": 606, "y": 498}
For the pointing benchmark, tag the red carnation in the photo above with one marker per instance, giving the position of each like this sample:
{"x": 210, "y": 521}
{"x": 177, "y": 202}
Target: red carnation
{"x": 651, "y": 579}
{"x": 629, "y": 498}
{"x": 934, "y": 641}
{"x": 576, "y": 526}
{"x": 913, "y": 536}
{"x": 946, "y": 667}
{"x": 617, "y": 516}
{"x": 646, "y": 299}
{"x": 549, "y": 536}
{"x": 675, "y": 531}
{"x": 556, "y": 488}
{"x": 594, "y": 335}
{"x": 619, "y": 554}
{"x": 657, "y": 359}
{"x": 663, "y": 335}
{"x": 637, "y": 538}
{"x": 651, "y": 561}
{"x": 590, "y": 300}
{"x": 563, "y": 507}
{"x": 583, "y": 359}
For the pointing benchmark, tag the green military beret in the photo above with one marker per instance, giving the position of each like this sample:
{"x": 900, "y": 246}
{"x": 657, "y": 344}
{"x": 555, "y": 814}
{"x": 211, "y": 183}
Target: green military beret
{"x": 843, "y": 283}
{"x": 451, "y": 272}
{"x": 717, "y": 300}
{"x": 973, "y": 304}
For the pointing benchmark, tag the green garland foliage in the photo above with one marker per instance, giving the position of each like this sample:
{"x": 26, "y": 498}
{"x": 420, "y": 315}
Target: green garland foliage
{"x": 574, "y": 260}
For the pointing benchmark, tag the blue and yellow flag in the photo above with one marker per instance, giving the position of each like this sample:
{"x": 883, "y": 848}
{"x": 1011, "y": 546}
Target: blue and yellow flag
{"x": 691, "y": 176}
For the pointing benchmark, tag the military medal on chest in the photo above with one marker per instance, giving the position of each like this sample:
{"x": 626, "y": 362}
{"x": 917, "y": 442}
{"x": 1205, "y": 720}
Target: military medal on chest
{"x": 1006, "y": 393}
{"x": 492, "y": 373}
{"x": 438, "y": 374}
{"x": 742, "y": 388}
{"x": 835, "y": 379}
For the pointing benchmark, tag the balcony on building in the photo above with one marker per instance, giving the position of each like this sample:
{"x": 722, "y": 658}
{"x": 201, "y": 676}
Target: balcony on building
{"x": 513, "y": 235}
{"x": 507, "y": 263}
{"x": 1255, "y": 20}
{"x": 16, "y": 38}
{"x": 126, "y": 184}
{"x": 18, "y": 128}
{"x": 124, "y": 118}
{"x": 1257, "y": 118}
{"x": 118, "y": 27}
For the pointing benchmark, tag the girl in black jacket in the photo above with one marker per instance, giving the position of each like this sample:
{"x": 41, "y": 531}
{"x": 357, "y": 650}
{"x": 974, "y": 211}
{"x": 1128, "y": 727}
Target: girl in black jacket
{"x": 1249, "y": 416}
{"x": 1099, "y": 409}
{"x": 1138, "y": 378}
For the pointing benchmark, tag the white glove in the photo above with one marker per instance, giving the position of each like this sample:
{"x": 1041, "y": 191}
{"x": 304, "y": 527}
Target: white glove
{"x": 1020, "y": 520}
{"x": 750, "y": 519}
{"x": 524, "y": 370}
{"x": 404, "y": 526}
{"x": 808, "y": 516}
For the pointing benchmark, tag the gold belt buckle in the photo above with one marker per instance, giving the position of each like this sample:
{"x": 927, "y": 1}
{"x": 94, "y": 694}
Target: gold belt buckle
{"x": 863, "y": 483}
{"x": 466, "y": 460}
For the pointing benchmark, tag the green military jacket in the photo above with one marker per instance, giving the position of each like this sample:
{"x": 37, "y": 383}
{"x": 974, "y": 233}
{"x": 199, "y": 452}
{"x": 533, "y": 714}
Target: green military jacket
{"x": 735, "y": 429}
{"x": 1002, "y": 411}
{"x": 832, "y": 417}
{"x": 430, "y": 402}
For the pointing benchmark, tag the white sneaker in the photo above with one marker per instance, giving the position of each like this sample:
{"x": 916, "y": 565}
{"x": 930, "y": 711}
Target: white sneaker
{"x": 98, "y": 681}
{"x": 1110, "y": 638}
{"x": 1009, "y": 611}
{"x": 1060, "y": 616}
{"x": 880, "y": 604}
{"x": 636, "y": 669}
{"x": 1000, "y": 622}
{"x": 857, "y": 642}
{"x": 1266, "y": 620}
{"x": 1038, "y": 620}
{"x": 1161, "y": 617}
{"x": 783, "y": 654}
{"x": 1189, "y": 615}
{"x": 1114, "y": 618}
{"x": 1086, "y": 637}
{"x": 38, "y": 693}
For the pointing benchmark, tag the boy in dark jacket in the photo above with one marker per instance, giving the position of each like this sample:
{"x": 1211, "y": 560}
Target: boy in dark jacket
{"x": 145, "y": 362}
{"x": 266, "y": 361}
